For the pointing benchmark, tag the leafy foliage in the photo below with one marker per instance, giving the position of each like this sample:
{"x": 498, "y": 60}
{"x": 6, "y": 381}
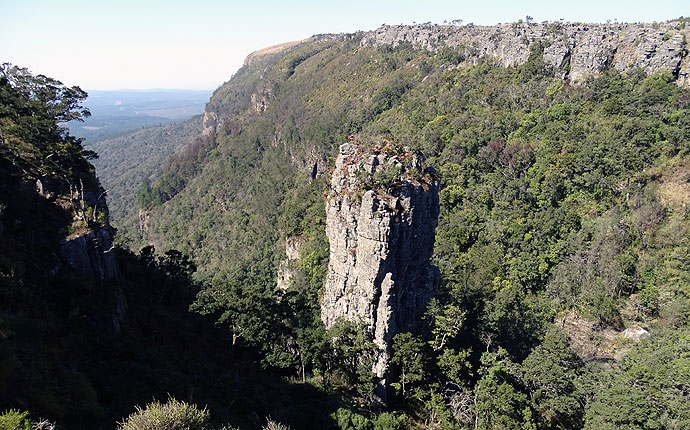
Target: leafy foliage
{"x": 171, "y": 415}
{"x": 554, "y": 198}
{"x": 15, "y": 420}
{"x": 651, "y": 389}
{"x": 31, "y": 111}
{"x": 408, "y": 355}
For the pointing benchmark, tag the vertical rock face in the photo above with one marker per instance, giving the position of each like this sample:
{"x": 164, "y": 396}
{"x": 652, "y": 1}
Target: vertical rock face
{"x": 91, "y": 255}
{"x": 380, "y": 244}
{"x": 575, "y": 50}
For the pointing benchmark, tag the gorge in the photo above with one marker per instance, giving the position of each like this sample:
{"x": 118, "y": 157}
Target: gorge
{"x": 426, "y": 226}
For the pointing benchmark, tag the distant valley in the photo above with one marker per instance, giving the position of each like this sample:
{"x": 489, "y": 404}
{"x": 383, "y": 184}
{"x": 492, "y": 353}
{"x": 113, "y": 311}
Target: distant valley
{"x": 115, "y": 112}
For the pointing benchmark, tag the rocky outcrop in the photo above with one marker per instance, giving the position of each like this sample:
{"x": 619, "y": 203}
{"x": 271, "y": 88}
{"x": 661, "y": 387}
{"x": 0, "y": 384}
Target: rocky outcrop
{"x": 144, "y": 220}
{"x": 261, "y": 99}
{"x": 293, "y": 244}
{"x": 89, "y": 252}
{"x": 574, "y": 50}
{"x": 91, "y": 255}
{"x": 636, "y": 333}
{"x": 210, "y": 123}
{"x": 381, "y": 240}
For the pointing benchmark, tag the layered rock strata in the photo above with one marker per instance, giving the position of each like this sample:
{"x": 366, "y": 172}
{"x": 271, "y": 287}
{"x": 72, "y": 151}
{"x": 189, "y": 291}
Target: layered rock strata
{"x": 381, "y": 241}
{"x": 574, "y": 50}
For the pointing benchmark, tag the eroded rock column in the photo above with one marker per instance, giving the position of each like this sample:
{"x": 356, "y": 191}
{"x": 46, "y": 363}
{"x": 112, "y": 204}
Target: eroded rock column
{"x": 381, "y": 240}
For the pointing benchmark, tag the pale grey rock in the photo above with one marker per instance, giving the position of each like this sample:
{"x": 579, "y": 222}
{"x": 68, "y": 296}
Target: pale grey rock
{"x": 380, "y": 245}
{"x": 635, "y": 333}
{"x": 576, "y": 51}
{"x": 210, "y": 123}
{"x": 43, "y": 191}
{"x": 286, "y": 269}
{"x": 144, "y": 220}
{"x": 93, "y": 257}
{"x": 261, "y": 99}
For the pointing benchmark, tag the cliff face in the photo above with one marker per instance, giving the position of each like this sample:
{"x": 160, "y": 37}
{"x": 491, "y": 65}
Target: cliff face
{"x": 91, "y": 255}
{"x": 576, "y": 50}
{"x": 57, "y": 243}
{"x": 380, "y": 244}
{"x": 89, "y": 251}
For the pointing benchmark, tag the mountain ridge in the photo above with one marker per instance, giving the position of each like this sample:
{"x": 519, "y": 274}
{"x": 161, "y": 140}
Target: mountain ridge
{"x": 577, "y": 49}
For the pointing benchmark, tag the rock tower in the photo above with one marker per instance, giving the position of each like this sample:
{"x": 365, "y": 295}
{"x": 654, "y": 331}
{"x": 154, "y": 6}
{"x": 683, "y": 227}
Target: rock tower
{"x": 381, "y": 240}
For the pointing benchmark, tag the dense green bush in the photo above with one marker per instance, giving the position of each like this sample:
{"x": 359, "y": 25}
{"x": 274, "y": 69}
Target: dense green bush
{"x": 173, "y": 414}
{"x": 15, "y": 420}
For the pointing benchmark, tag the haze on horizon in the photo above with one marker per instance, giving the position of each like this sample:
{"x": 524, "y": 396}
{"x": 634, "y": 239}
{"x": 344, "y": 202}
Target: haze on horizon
{"x": 191, "y": 45}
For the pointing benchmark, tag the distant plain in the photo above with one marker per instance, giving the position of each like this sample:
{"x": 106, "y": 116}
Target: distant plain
{"x": 116, "y": 112}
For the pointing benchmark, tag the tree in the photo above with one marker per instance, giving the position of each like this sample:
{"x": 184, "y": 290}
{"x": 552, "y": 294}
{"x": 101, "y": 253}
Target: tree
{"x": 354, "y": 354}
{"x": 499, "y": 402}
{"x": 650, "y": 391}
{"x": 15, "y": 420}
{"x": 551, "y": 372}
{"x": 32, "y": 109}
{"x": 447, "y": 322}
{"x": 253, "y": 314}
{"x": 408, "y": 356}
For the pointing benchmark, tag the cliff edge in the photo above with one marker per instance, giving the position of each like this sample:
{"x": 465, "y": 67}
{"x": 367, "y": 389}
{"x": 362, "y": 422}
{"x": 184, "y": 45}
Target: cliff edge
{"x": 575, "y": 50}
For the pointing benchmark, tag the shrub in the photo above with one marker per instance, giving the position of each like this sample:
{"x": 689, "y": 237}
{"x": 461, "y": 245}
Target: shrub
{"x": 171, "y": 415}
{"x": 15, "y": 420}
{"x": 388, "y": 178}
{"x": 274, "y": 425}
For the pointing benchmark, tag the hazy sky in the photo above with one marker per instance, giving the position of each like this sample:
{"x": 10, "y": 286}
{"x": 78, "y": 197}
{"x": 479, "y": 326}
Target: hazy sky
{"x": 199, "y": 44}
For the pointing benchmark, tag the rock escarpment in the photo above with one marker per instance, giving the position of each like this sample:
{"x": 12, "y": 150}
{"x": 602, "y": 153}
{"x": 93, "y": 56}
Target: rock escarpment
{"x": 381, "y": 240}
{"x": 91, "y": 255}
{"x": 574, "y": 50}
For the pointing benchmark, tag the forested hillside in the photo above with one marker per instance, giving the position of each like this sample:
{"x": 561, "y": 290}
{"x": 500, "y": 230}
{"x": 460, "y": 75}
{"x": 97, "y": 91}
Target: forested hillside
{"x": 562, "y": 246}
{"x": 563, "y": 222}
{"x": 88, "y": 331}
{"x": 128, "y": 160}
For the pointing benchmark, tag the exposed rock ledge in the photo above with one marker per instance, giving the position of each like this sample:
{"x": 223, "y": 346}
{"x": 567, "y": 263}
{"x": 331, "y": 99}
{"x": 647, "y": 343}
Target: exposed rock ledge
{"x": 576, "y": 50}
{"x": 380, "y": 244}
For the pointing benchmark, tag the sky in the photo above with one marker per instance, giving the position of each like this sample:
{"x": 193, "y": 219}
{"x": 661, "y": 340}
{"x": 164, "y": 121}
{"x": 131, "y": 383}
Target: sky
{"x": 144, "y": 44}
